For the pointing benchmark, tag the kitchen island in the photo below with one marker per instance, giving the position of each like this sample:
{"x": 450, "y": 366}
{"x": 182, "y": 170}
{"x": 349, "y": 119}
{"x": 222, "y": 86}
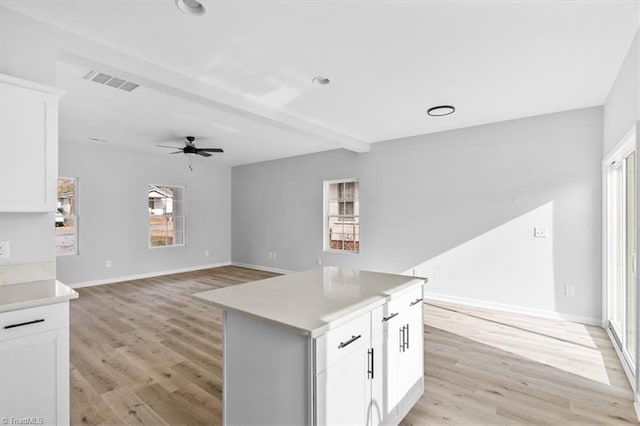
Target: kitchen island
{"x": 325, "y": 346}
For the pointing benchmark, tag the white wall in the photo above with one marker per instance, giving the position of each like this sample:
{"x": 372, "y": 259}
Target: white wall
{"x": 113, "y": 212}
{"x": 459, "y": 206}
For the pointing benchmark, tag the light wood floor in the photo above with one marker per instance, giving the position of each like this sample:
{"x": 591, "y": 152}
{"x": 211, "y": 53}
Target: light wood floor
{"x": 144, "y": 352}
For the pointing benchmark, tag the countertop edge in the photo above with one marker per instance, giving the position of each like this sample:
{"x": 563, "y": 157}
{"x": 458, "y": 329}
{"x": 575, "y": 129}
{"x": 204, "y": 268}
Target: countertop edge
{"x": 34, "y": 303}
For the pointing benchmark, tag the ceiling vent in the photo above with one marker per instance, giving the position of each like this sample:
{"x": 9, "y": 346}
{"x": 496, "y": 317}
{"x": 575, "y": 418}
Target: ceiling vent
{"x": 111, "y": 81}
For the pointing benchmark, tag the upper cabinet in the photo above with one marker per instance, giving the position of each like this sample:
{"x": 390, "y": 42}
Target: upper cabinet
{"x": 28, "y": 145}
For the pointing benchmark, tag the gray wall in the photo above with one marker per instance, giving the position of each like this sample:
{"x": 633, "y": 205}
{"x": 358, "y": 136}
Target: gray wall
{"x": 25, "y": 55}
{"x": 458, "y": 206}
{"x": 113, "y": 212}
{"x": 622, "y": 108}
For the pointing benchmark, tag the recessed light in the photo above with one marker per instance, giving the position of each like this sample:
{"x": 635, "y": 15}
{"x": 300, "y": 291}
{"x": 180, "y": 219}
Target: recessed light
{"x": 441, "y": 110}
{"x": 191, "y": 7}
{"x": 321, "y": 81}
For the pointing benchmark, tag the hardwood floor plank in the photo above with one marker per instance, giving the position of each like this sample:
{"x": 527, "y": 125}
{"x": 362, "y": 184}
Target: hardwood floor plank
{"x": 145, "y": 352}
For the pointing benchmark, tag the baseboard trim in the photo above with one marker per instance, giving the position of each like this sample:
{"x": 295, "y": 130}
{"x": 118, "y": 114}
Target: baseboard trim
{"x": 263, "y": 268}
{"x": 114, "y": 280}
{"x": 512, "y": 308}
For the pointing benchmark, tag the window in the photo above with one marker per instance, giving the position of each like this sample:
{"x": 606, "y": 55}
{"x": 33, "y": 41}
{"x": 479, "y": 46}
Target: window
{"x": 66, "y": 219}
{"x": 342, "y": 215}
{"x": 166, "y": 215}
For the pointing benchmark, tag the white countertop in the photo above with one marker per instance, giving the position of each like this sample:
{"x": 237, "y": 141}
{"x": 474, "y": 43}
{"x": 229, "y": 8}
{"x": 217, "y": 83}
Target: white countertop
{"x": 314, "y": 301}
{"x": 35, "y": 293}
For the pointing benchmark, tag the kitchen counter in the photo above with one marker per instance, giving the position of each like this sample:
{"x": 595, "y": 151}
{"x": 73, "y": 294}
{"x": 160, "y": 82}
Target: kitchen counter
{"x": 33, "y": 294}
{"x": 311, "y": 302}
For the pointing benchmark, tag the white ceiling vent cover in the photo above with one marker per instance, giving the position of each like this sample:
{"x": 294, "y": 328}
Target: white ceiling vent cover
{"x": 115, "y": 82}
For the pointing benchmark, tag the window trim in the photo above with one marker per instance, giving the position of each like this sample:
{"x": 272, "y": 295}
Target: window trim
{"x": 326, "y": 247}
{"x": 75, "y": 217}
{"x": 183, "y": 216}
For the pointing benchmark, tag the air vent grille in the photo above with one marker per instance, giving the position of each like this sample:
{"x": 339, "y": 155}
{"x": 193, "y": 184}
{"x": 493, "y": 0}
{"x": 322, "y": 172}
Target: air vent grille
{"x": 115, "y": 82}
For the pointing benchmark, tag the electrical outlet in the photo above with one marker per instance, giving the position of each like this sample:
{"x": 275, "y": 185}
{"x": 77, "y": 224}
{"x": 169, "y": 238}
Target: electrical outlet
{"x": 540, "y": 232}
{"x": 569, "y": 291}
{"x": 274, "y": 254}
{"x": 107, "y": 264}
{"x": 414, "y": 272}
{"x": 4, "y": 249}
{"x": 206, "y": 253}
{"x": 319, "y": 260}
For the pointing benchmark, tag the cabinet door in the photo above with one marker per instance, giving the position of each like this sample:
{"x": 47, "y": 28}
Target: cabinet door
{"x": 28, "y": 149}
{"x": 35, "y": 377}
{"x": 343, "y": 391}
{"x": 382, "y": 409}
{"x": 411, "y": 366}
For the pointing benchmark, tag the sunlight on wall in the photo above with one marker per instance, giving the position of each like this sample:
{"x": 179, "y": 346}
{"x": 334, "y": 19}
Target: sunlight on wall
{"x": 506, "y": 265}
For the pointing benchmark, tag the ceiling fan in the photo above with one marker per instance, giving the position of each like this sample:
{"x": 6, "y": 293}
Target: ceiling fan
{"x": 190, "y": 148}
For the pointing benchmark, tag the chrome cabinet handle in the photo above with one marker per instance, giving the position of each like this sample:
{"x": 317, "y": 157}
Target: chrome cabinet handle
{"x": 415, "y": 302}
{"x": 385, "y": 319}
{"x": 407, "y": 336}
{"x": 402, "y": 339}
{"x": 350, "y": 341}
{"x": 23, "y": 323}
{"x": 370, "y": 362}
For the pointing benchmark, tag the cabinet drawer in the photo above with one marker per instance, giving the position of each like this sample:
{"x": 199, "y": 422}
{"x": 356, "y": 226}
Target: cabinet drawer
{"x": 33, "y": 320}
{"x": 342, "y": 341}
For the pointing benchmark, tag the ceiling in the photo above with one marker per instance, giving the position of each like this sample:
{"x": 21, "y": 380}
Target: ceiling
{"x": 388, "y": 62}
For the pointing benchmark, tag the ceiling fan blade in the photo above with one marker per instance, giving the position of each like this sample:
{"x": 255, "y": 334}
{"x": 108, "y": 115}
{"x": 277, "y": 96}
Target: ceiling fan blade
{"x": 167, "y": 146}
{"x": 177, "y": 152}
{"x": 211, "y": 149}
{"x": 204, "y": 154}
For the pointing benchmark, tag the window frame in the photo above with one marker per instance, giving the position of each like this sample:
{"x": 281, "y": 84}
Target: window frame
{"x": 75, "y": 217}
{"x": 165, "y": 215}
{"x": 352, "y": 219}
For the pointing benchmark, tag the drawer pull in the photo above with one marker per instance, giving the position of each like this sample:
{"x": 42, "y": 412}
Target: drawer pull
{"x": 385, "y": 319}
{"x": 23, "y": 323}
{"x": 415, "y": 302}
{"x": 370, "y": 362}
{"x": 350, "y": 341}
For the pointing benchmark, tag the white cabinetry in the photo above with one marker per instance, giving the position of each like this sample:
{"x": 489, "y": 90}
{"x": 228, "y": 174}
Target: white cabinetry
{"x": 366, "y": 371}
{"x": 34, "y": 365}
{"x": 28, "y": 146}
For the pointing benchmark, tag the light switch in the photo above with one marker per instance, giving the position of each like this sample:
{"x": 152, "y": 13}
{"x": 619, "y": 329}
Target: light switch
{"x": 540, "y": 232}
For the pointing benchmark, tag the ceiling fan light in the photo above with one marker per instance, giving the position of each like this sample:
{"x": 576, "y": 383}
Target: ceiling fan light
{"x": 191, "y": 7}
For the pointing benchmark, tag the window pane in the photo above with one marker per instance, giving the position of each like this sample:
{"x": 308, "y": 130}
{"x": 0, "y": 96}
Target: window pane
{"x": 66, "y": 217}
{"x": 630, "y": 296}
{"x": 158, "y": 230}
{"x": 342, "y": 212}
{"x": 166, "y": 215}
{"x": 178, "y": 230}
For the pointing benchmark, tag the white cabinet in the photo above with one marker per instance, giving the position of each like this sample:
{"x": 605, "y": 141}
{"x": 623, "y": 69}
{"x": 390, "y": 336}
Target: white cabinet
{"x": 369, "y": 371}
{"x": 34, "y": 365}
{"x": 28, "y": 146}
{"x": 401, "y": 346}
{"x": 343, "y": 391}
